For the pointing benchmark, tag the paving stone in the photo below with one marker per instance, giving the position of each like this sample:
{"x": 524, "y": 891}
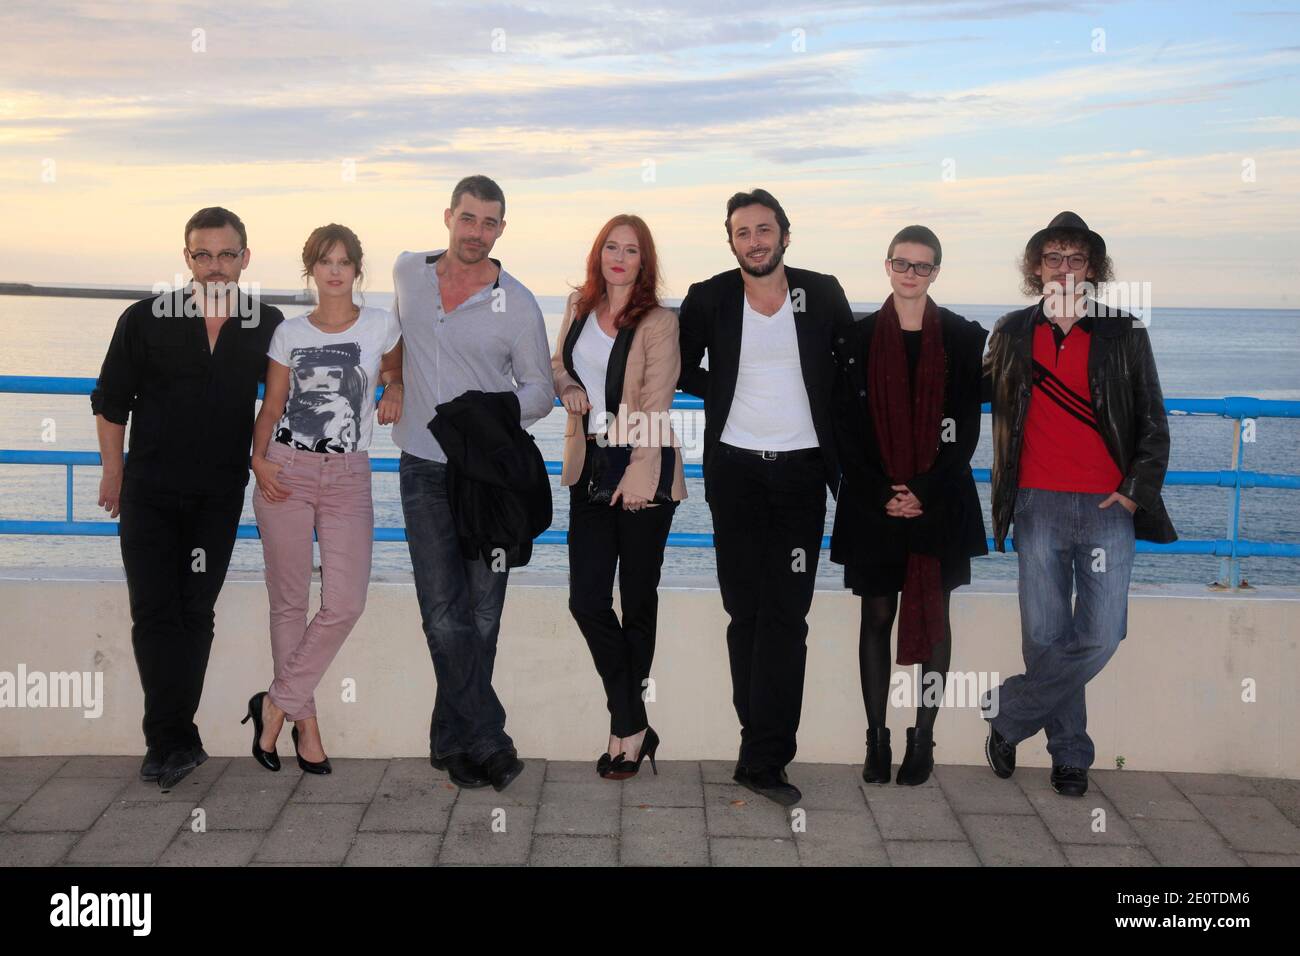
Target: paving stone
{"x": 524, "y": 791}
{"x": 580, "y": 809}
{"x": 551, "y": 849}
{"x": 20, "y": 777}
{"x": 931, "y": 853}
{"x": 1283, "y": 794}
{"x": 65, "y": 803}
{"x": 474, "y": 834}
{"x": 828, "y": 786}
{"x": 131, "y": 833}
{"x": 394, "y": 849}
{"x": 6, "y": 809}
{"x": 190, "y": 790}
{"x": 1185, "y": 843}
{"x": 240, "y": 801}
{"x": 717, "y": 771}
{"x": 734, "y": 811}
{"x": 1143, "y": 795}
{"x": 1271, "y": 859}
{"x": 1012, "y": 839}
{"x": 577, "y": 771}
{"x": 1251, "y": 824}
{"x": 409, "y": 799}
{"x": 353, "y": 781}
{"x": 979, "y": 790}
{"x": 94, "y": 766}
{"x": 311, "y": 833}
{"x": 1108, "y": 855}
{"x": 840, "y": 838}
{"x": 35, "y": 849}
{"x": 753, "y": 851}
{"x": 213, "y": 848}
{"x": 1071, "y": 819}
{"x": 1221, "y": 784}
{"x": 664, "y": 836}
{"x": 912, "y": 813}
{"x": 678, "y": 784}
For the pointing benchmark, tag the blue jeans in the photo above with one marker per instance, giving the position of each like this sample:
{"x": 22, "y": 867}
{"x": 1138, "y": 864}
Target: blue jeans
{"x": 460, "y": 607}
{"x": 1064, "y": 542}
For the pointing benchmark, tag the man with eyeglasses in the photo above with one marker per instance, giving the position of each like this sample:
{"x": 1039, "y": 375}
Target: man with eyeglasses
{"x": 184, "y": 367}
{"x": 1080, "y": 449}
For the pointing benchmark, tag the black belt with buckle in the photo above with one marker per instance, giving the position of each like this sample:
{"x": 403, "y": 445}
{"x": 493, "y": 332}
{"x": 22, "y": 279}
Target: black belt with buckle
{"x": 797, "y": 454}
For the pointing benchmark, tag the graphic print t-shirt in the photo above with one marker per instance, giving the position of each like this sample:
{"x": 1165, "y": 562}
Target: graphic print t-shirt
{"x": 332, "y": 376}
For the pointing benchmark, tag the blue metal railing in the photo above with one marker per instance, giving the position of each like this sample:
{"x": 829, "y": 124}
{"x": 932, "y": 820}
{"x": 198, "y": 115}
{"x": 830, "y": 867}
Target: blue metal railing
{"x": 1231, "y": 549}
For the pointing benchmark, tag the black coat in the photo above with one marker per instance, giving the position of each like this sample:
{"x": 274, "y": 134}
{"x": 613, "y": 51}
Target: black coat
{"x": 712, "y": 318}
{"x": 497, "y": 484}
{"x": 952, "y": 523}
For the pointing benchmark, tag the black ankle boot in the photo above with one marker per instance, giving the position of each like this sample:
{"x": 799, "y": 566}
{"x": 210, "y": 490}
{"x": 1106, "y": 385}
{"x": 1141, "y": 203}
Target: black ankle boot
{"x": 879, "y": 757}
{"x": 919, "y": 759}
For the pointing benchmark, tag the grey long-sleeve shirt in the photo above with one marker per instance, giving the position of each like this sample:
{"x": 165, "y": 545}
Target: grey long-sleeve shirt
{"x": 494, "y": 341}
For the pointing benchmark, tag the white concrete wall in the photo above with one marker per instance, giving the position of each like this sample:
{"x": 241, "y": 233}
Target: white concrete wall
{"x": 1170, "y": 699}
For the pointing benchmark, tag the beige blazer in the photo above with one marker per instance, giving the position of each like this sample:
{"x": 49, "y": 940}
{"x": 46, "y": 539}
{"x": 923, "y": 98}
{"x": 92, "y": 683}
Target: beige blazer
{"x": 649, "y": 383}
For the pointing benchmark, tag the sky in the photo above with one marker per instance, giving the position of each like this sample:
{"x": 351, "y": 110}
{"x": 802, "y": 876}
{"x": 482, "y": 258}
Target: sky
{"x": 1173, "y": 128}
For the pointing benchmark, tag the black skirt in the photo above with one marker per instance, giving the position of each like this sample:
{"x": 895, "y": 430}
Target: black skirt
{"x": 882, "y": 580}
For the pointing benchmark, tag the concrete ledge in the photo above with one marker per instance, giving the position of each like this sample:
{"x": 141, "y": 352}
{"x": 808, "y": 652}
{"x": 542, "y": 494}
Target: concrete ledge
{"x": 1170, "y": 700}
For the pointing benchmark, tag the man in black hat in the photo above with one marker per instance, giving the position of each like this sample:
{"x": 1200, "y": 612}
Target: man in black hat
{"x": 1080, "y": 448}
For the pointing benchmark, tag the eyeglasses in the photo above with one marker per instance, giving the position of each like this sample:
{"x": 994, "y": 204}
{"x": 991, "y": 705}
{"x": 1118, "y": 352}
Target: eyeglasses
{"x": 225, "y": 257}
{"x": 1053, "y": 260}
{"x": 922, "y": 269}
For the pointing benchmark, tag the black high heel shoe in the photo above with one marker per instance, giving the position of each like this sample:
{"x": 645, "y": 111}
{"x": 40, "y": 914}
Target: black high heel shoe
{"x": 604, "y": 763}
{"x": 623, "y": 768}
{"x": 876, "y": 768}
{"x": 267, "y": 758}
{"x": 307, "y": 766}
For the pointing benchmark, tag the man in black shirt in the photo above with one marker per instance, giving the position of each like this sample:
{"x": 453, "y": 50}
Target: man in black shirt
{"x": 184, "y": 366}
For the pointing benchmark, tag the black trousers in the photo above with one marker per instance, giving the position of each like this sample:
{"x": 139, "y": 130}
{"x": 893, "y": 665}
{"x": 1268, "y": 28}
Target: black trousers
{"x": 175, "y": 550}
{"x": 600, "y": 537}
{"x": 768, "y": 519}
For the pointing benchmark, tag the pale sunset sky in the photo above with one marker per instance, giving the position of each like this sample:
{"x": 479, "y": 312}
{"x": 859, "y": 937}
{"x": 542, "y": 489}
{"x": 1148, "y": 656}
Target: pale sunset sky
{"x": 1173, "y": 128}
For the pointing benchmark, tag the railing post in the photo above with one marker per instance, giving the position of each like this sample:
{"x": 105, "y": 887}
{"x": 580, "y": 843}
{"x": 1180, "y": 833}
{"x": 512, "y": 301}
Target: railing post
{"x": 69, "y": 508}
{"x": 1234, "y": 529}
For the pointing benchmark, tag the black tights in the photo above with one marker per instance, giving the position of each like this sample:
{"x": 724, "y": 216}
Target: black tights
{"x": 875, "y": 666}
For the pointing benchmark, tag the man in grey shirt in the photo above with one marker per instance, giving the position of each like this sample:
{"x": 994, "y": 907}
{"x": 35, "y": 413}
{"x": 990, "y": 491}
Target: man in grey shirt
{"x": 466, "y": 325}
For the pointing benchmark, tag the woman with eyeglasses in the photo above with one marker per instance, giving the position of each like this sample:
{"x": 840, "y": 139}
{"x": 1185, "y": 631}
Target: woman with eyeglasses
{"x": 313, "y": 475}
{"x": 908, "y": 518}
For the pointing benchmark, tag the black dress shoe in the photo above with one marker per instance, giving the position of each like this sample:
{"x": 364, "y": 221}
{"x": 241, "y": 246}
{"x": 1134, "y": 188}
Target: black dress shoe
{"x": 309, "y": 766}
{"x": 179, "y": 765}
{"x": 876, "y": 768}
{"x": 151, "y": 766}
{"x": 502, "y": 767}
{"x": 463, "y": 772}
{"x": 918, "y": 761}
{"x": 1000, "y": 753}
{"x": 770, "y": 782}
{"x": 1069, "y": 781}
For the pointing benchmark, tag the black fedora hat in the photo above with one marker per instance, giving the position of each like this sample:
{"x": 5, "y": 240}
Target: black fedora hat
{"x": 1074, "y": 222}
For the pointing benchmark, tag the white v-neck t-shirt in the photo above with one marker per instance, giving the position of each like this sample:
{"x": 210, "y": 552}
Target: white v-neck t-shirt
{"x": 769, "y": 410}
{"x": 591, "y": 360}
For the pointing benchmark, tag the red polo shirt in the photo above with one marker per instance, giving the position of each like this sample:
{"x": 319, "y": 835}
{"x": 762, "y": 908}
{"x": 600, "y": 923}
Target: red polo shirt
{"x": 1063, "y": 449}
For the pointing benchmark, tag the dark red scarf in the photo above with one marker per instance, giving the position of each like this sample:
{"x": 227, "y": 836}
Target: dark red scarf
{"x": 907, "y": 429}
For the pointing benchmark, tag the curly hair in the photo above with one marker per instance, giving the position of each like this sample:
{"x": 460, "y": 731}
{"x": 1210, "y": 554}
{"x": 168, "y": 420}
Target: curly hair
{"x": 1100, "y": 268}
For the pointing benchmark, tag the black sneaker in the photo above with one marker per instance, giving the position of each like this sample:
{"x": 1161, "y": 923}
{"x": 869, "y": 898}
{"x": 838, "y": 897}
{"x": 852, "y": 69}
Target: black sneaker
{"x": 179, "y": 765}
{"x": 1069, "y": 781}
{"x": 1000, "y": 753}
{"x": 769, "y": 782}
{"x": 502, "y": 768}
{"x": 151, "y": 766}
{"x": 463, "y": 772}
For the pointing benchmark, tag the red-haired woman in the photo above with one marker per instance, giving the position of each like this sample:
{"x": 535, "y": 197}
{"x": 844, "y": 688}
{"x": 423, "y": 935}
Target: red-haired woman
{"x": 615, "y": 365}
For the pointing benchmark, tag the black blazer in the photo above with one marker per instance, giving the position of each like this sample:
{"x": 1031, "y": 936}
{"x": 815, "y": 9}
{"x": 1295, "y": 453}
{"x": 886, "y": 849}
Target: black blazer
{"x": 711, "y": 319}
{"x": 952, "y": 522}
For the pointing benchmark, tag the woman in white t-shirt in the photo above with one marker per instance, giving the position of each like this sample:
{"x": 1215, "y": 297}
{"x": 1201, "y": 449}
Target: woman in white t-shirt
{"x": 313, "y": 474}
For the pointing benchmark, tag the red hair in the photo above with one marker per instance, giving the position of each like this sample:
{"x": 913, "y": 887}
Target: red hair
{"x": 645, "y": 291}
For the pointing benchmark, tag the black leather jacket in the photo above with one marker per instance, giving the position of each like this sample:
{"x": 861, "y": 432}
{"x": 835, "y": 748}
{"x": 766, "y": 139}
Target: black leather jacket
{"x": 1125, "y": 392}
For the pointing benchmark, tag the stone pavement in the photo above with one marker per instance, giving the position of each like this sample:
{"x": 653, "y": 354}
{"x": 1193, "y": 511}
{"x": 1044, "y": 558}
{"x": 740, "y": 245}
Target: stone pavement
{"x": 90, "y": 811}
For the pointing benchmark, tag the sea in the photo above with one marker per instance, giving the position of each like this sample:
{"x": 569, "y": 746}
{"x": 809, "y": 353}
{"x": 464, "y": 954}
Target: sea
{"x": 1201, "y": 353}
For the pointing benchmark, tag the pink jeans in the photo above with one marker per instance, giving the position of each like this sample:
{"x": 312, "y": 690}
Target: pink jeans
{"x": 330, "y": 493}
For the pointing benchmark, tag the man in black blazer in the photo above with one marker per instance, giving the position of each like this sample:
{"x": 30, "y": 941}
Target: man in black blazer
{"x": 769, "y": 456}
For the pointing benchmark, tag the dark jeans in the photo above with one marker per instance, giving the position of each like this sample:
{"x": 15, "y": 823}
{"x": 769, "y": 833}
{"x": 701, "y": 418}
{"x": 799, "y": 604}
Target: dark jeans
{"x": 600, "y": 537}
{"x": 175, "y": 551}
{"x": 460, "y": 607}
{"x": 1064, "y": 542}
{"x": 768, "y": 519}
